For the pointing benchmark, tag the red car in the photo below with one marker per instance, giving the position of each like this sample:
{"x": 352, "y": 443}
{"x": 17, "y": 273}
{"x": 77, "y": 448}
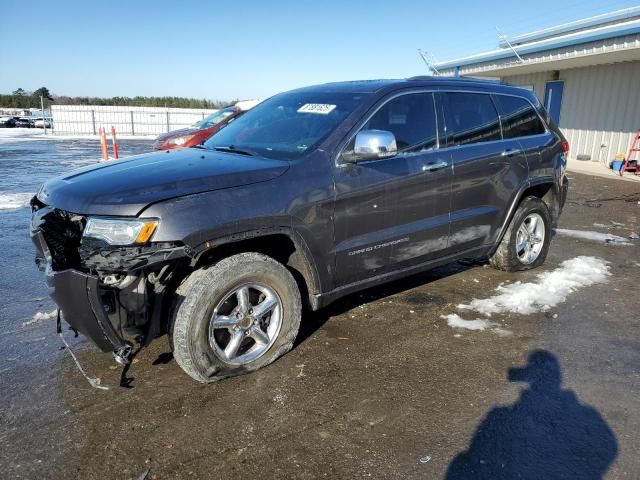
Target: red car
{"x": 199, "y": 132}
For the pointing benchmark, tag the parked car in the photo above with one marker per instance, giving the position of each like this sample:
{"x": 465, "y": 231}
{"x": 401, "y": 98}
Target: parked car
{"x": 312, "y": 195}
{"x": 7, "y": 121}
{"x": 24, "y": 122}
{"x": 43, "y": 122}
{"x": 199, "y": 132}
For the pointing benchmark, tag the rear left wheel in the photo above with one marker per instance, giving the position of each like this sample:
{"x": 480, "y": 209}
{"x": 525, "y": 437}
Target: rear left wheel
{"x": 235, "y": 317}
{"x": 526, "y": 242}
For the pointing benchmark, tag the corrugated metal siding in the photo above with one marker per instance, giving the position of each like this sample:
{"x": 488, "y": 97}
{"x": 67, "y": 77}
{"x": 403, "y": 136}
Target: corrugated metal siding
{"x": 600, "y": 106}
{"x": 575, "y": 51}
{"x": 537, "y": 80}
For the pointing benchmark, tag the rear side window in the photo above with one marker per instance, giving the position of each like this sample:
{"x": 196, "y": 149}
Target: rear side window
{"x": 470, "y": 118}
{"x": 412, "y": 120}
{"x": 519, "y": 118}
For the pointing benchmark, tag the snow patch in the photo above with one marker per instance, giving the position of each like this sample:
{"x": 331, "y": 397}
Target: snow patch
{"x": 455, "y": 321}
{"x": 14, "y": 201}
{"x": 479, "y": 324}
{"x": 41, "y": 316}
{"x": 502, "y": 332}
{"x": 595, "y": 236}
{"x": 550, "y": 288}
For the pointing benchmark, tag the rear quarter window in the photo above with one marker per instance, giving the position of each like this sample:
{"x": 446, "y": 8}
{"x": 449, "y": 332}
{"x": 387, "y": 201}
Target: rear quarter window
{"x": 519, "y": 118}
{"x": 470, "y": 118}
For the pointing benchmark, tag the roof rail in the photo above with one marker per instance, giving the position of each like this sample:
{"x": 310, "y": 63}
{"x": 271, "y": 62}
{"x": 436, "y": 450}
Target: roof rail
{"x": 422, "y": 77}
{"x": 455, "y": 79}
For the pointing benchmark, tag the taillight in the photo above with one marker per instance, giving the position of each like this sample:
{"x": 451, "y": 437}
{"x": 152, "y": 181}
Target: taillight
{"x": 565, "y": 146}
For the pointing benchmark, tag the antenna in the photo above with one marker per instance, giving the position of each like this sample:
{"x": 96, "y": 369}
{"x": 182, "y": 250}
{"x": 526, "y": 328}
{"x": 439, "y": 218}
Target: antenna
{"x": 429, "y": 60}
{"x": 503, "y": 36}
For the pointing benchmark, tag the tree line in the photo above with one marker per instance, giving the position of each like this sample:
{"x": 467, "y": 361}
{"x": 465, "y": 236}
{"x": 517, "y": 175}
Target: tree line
{"x": 22, "y": 99}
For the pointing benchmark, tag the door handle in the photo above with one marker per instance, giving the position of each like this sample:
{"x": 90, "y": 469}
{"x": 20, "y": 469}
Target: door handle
{"x": 511, "y": 152}
{"x": 430, "y": 167}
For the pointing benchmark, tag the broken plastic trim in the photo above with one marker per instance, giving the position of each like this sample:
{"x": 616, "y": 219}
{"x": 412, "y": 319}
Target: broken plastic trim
{"x": 94, "y": 382}
{"x": 123, "y": 354}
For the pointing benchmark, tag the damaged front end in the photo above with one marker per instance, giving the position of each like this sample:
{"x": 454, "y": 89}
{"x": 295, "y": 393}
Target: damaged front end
{"x": 106, "y": 292}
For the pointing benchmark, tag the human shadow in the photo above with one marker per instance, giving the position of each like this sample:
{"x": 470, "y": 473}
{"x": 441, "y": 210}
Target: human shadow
{"x": 547, "y": 434}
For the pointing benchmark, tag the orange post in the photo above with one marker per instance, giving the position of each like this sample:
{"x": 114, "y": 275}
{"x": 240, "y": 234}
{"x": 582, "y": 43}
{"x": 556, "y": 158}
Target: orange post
{"x": 115, "y": 144}
{"x": 103, "y": 144}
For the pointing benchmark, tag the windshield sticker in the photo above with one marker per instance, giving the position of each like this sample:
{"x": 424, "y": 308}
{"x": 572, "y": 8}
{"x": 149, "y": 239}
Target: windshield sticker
{"x": 320, "y": 108}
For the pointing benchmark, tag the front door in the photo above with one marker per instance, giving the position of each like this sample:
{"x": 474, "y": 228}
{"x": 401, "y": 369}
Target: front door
{"x": 394, "y": 212}
{"x": 553, "y": 99}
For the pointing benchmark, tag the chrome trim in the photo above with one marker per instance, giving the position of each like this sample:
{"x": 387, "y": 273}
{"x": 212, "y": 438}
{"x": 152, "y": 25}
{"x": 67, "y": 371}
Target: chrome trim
{"x": 433, "y": 91}
{"x": 432, "y": 167}
{"x": 544, "y": 123}
{"x": 374, "y": 145}
{"x": 511, "y": 152}
{"x": 401, "y": 93}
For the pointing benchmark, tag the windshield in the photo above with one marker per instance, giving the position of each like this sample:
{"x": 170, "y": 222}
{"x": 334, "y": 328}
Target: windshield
{"x": 288, "y": 125}
{"x": 214, "y": 118}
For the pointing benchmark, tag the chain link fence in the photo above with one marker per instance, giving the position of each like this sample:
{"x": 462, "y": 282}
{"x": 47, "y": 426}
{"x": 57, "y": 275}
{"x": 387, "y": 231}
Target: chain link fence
{"x": 86, "y": 120}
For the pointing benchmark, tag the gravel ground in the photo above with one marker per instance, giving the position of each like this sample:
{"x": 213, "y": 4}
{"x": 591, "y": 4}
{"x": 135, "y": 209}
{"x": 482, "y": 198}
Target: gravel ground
{"x": 378, "y": 386}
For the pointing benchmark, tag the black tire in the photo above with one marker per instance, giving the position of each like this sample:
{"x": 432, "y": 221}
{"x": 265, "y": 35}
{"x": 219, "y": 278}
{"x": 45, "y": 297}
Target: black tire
{"x": 197, "y": 297}
{"x": 506, "y": 257}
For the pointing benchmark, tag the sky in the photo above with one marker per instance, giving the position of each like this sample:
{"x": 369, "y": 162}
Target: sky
{"x": 242, "y": 49}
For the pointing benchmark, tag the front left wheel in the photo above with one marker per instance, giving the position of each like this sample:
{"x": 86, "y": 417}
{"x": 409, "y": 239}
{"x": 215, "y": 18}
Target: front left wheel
{"x": 234, "y": 317}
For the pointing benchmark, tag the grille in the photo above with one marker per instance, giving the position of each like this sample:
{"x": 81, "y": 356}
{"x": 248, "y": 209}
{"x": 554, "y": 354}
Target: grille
{"x": 62, "y": 231}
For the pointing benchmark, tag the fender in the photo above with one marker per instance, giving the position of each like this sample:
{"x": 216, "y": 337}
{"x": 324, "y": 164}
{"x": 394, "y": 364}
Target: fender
{"x": 304, "y": 263}
{"x": 532, "y": 182}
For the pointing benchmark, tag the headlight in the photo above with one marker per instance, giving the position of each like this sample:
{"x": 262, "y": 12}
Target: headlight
{"x": 120, "y": 232}
{"x": 180, "y": 140}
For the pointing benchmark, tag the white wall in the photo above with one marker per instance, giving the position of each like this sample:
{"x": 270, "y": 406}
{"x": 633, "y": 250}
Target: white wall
{"x": 86, "y": 119}
{"x": 600, "y": 111}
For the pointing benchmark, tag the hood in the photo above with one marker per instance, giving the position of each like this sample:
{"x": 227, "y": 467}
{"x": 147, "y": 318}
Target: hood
{"x": 126, "y": 187}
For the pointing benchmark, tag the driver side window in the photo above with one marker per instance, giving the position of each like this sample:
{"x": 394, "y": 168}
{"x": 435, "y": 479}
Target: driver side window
{"x": 412, "y": 120}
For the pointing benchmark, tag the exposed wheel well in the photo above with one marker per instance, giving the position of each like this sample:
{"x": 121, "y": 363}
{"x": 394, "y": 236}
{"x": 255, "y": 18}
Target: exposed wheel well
{"x": 280, "y": 247}
{"x": 547, "y": 194}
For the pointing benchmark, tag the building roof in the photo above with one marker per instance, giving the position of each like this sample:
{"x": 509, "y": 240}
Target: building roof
{"x": 577, "y": 25}
{"x": 602, "y": 28}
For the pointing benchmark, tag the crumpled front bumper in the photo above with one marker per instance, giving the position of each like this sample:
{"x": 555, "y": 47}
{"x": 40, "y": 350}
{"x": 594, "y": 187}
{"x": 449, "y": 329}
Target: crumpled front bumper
{"x": 77, "y": 295}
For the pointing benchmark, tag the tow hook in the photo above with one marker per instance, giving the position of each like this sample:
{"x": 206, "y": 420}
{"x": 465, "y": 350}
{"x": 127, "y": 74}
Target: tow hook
{"x": 123, "y": 354}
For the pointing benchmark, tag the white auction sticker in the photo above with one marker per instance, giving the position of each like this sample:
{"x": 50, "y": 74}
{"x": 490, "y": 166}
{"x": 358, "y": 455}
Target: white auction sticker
{"x": 321, "y": 108}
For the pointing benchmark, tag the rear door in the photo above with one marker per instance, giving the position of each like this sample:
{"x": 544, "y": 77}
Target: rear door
{"x": 393, "y": 212}
{"x": 521, "y": 122}
{"x": 487, "y": 170}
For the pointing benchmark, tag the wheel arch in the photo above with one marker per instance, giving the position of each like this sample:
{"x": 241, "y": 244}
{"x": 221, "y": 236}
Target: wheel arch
{"x": 543, "y": 188}
{"x": 282, "y": 244}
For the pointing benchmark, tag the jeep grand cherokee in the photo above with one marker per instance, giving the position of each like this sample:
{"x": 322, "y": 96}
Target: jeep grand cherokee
{"x": 313, "y": 194}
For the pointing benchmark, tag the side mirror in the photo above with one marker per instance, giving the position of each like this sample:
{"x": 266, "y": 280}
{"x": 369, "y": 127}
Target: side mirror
{"x": 372, "y": 145}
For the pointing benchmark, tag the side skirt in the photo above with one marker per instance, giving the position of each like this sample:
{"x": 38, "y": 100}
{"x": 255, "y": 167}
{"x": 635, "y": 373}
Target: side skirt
{"x": 322, "y": 300}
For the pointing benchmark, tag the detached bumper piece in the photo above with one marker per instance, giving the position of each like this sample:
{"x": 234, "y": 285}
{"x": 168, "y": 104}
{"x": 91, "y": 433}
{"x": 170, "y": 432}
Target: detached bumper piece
{"x": 77, "y": 295}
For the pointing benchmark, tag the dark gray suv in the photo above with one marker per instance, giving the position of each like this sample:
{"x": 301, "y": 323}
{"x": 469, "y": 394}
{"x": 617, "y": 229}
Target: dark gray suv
{"x": 311, "y": 195}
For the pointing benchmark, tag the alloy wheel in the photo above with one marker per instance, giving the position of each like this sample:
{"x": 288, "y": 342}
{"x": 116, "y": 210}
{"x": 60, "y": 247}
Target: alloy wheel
{"x": 530, "y": 238}
{"x": 245, "y": 323}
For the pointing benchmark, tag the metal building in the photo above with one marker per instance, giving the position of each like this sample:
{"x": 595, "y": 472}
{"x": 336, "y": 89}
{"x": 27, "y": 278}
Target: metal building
{"x": 587, "y": 74}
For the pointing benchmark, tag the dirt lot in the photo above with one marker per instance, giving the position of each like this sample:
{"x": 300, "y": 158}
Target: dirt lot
{"x": 378, "y": 386}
